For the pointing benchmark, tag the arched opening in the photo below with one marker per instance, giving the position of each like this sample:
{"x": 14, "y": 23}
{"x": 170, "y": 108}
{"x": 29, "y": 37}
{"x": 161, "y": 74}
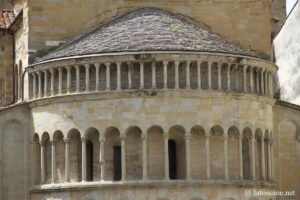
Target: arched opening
{"x": 92, "y": 154}
{"x": 112, "y": 154}
{"x": 172, "y": 159}
{"x": 47, "y": 156}
{"x": 134, "y": 154}
{"x": 216, "y": 154}
{"x": 60, "y": 156}
{"x": 197, "y": 153}
{"x": 155, "y": 144}
{"x": 89, "y": 160}
{"x": 246, "y": 153}
{"x": 36, "y": 159}
{"x": 258, "y": 158}
{"x": 233, "y": 153}
{"x": 75, "y": 155}
{"x": 177, "y": 157}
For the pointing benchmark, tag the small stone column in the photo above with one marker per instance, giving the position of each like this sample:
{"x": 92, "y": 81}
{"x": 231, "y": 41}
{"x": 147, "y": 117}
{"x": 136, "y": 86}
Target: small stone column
{"x": 153, "y": 75}
{"x": 199, "y": 75}
{"x": 262, "y": 82}
{"x": 271, "y": 163}
{"x": 228, "y": 77}
{"x": 52, "y": 82}
{"x": 68, "y": 68}
{"x": 207, "y": 158}
{"x": 251, "y": 79}
{"x": 269, "y": 160}
{"x": 176, "y": 74}
{"x": 45, "y": 82}
{"x": 257, "y": 82}
{"x": 241, "y": 156}
{"x": 263, "y": 158}
{"x": 119, "y": 75}
{"x": 130, "y": 66}
{"x": 253, "y": 157}
{"x": 141, "y": 75}
{"x": 53, "y": 161}
{"x": 219, "y": 76}
{"x": 83, "y": 154}
{"x": 67, "y": 160}
{"x": 145, "y": 172}
{"x": 77, "y": 78}
{"x": 209, "y": 64}
{"x": 266, "y": 83}
{"x": 33, "y": 85}
{"x": 39, "y": 85}
{"x": 271, "y": 85}
{"x": 97, "y": 66}
{"x": 165, "y": 63}
{"x": 60, "y": 81}
{"x": 188, "y": 156}
{"x": 188, "y": 81}
{"x": 166, "y": 145}
{"x": 245, "y": 77}
{"x": 123, "y": 157}
{"x": 87, "y": 77}
{"x": 226, "y": 156}
{"x": 101, "y": 157}
{"x": 107, "y": 65}
{"x": 42, "y": 144}
{"x": 236, "y": 81}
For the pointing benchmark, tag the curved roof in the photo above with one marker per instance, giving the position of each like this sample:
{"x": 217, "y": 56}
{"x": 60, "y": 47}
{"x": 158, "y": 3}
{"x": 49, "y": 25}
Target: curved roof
{"x": 147, "y": 29}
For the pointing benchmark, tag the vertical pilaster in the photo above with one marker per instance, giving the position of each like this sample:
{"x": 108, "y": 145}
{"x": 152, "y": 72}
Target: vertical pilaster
{"x": 262, "y": 82}
{"x": 68, "y": 68}
{"x": 145, "y": 171}
{"x": 257, "y": 82}
{"x": 199, "y": 75}
{"x": 67, "y": 159}
{"x": 60, "y": 81}
{"x": 219, "y": 76}
{"x": 253, "y": 158}
{"x": 209, "y": 64}
{"x": 207, "y": 158}
{"x": 188, "y": 81}
{"x": 245, "y": 77}
{"x": 83, "y": 154}
{"x": 241, "y": 156}
{"x": 77, "y": 78}
{"x": 87, "y": 77}
{"x": 42, "y": 162}
{"x": 251, "y": 79}
{"x": 45, "y": 83}
{"x": 165, "y": 63}
{"x": 52, "y": 82}
{"x": 130, "y": 66}
{"x": 226, "y": 156}
{"x": 119, "y": 75}
{"x": 39, "y": 85}
{"x": 53, "y": 161}
{"x": 97, "y": 67}
{"x": 101, "y": 157}
{"x": 153, "y": 75}
{"x": 188, "y": 156}
{"x": 166, "y": 151}
{"x": 228, "y": 77}
{"x": 142, "y": 75}
{"x": 33, "y": 85}
{"x": 176, "y": 74}
{"x": 269, "y": 161}
{"x": 263, "y": 158}
{"x": 107, "y": 65}
{"x": 123, "y": 157}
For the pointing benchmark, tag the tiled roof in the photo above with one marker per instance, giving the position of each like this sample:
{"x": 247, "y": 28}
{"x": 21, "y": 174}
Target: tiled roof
{"x": 147, "y": 29}
{"x": 6, "y": 18}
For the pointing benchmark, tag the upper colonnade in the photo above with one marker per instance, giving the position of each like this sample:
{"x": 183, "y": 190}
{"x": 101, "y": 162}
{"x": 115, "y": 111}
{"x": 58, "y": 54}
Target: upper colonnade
{"x": 151, "y": 71}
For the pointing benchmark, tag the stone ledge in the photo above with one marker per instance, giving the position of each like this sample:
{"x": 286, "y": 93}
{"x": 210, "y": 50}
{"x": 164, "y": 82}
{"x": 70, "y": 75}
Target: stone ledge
{"x": 150, "y": 183}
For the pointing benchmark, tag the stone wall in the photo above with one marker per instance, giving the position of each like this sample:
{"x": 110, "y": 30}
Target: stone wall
{"x": 278, "y": 12}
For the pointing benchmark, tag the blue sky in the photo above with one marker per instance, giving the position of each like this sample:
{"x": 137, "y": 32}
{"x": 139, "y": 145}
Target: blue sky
{"x": 289, "y": 5}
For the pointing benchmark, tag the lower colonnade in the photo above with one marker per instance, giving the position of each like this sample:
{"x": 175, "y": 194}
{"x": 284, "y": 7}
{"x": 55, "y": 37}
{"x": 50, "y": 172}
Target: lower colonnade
{"x": 198, "y": 154}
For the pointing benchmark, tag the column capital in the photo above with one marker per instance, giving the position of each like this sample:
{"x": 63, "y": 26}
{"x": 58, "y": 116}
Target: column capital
{"x": 87, "y": 66}
{"x": 122, "y": 136}
{"x": 53, "y": 141}
{"x": 165, "y": 63}
{"x": 42, "y": 143}
{"x": 144, "y": 136}
{"x": 76, "y": 67}
{"x": 67, "y": 140}
{"x": 97, "y": 65}
{"x": 188, "y": 62}
{"x": 102, "y": 139}
{"x": 166, "y": 135}
{"x": 83, "y": 139}
{"x": 187, "y": 136}
{"x": 51, "y": 71}
{"x": 245, "y": 67}
{"x": 176, "y": 62}
{"x": 207, "y": 136}
{"x": 59, "y": 69}
{"x": 68, "y": 68}
{"x": 107, "y": 64}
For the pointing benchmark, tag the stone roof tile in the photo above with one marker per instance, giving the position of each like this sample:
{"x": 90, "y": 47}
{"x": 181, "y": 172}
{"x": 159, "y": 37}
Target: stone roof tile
{"x": 147, "y": 29}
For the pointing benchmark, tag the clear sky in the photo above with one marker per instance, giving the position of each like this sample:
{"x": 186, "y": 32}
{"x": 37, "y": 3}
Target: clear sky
{"x": 289, "y": 5}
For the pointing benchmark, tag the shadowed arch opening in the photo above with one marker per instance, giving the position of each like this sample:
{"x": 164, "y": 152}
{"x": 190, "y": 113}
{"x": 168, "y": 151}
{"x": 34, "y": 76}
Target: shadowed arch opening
{"x": 233, "y": 152}
{"x": 216, "y": 152}
{"x": 60, "y": 156}
{"x": 36, "y": 159}
{"x": 177, "y": 158}
{"x": 258, "y": 151}
{"x": 134, "y": 154}
{"x": 75, "y": 155}
{"x": 197, "y": 153}
{"x": 45, "y": 141}
{"x": 92, "y": 154}
{"x": 155, "y": 152}
{"x": 112, "y": 154}
{"x": 246, "y": 152}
